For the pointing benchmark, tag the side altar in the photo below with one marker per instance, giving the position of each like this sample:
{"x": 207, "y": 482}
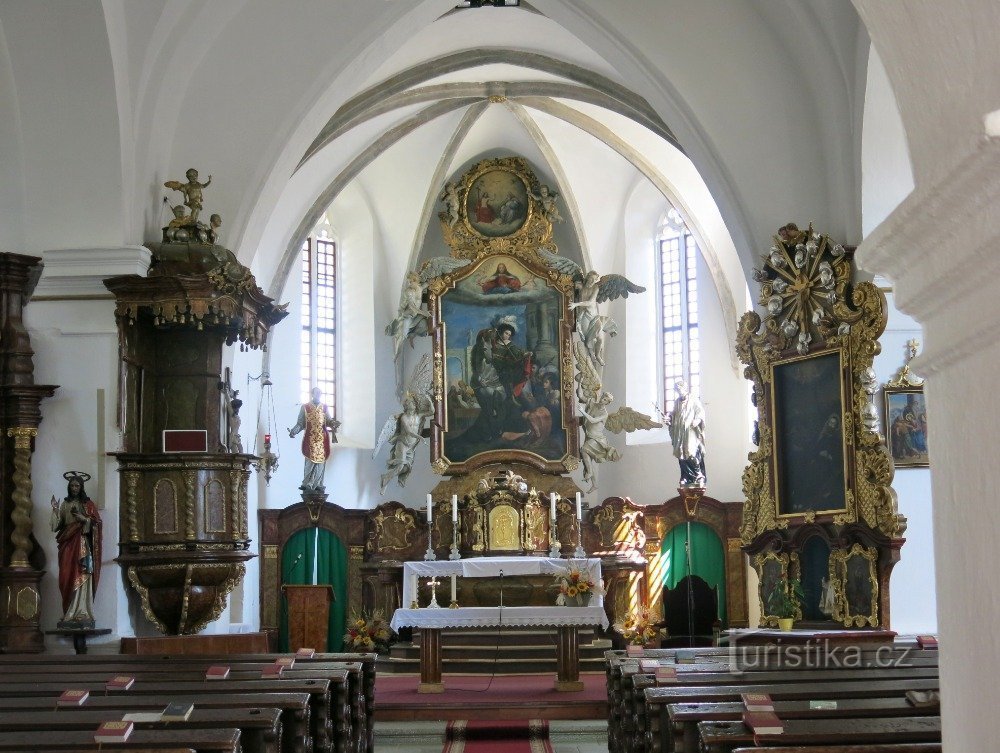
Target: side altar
{"x": 433, "y": 619}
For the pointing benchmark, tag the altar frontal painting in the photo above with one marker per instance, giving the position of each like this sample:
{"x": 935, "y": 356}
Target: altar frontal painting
{"x": 502, "y": 342}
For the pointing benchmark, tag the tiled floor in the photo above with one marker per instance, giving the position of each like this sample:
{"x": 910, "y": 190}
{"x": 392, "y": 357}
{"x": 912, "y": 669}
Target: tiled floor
{"x": 428, "y": 737}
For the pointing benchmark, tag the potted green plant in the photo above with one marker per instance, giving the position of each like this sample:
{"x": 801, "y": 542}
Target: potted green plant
{"x": 783, "y": 602}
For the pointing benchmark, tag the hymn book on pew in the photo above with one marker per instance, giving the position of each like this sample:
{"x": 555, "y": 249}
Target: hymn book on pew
{"x": 113, "y": 732}
{"x": 176, "y": 712}
{"x": 272, "y": 670}
{"x": 685, "y": 656}
{"x": 72, "y": 697}
{"x": 763, "y": 722}
{"x": 119, "y": 682}
{"x": 305, "y": 653}
{"x": 666, "y": 674}
{"x": 757, "y": 702}
{"x": 927, "y": 641}
{"x": 285, "y": 661}
{"x": 143, "y": 716}
{"x": 217, "y": 672}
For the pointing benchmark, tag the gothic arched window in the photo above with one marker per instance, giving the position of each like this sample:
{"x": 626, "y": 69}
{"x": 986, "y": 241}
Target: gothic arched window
{"x": 680, "y": 344}
{"x": 319, "y": 318}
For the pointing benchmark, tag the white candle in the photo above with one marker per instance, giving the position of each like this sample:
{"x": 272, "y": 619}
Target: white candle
{"x": 552, "y": 501}
{"x": 416, "y": 588}
{"x": 453, "y": 582}
{"x": 430, "y": 509}
{"x": 454, "y": 508}
{"x": 579, "y": 510}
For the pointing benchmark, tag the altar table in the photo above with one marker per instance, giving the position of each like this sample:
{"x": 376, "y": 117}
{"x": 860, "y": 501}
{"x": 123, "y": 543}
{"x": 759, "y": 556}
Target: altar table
{"x": 432, "y": 620}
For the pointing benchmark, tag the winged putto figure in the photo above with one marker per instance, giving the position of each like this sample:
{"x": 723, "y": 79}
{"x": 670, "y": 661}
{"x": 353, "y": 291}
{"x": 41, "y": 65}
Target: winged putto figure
{"x": 595, "y": 419}
{"x": 404, "y": 430}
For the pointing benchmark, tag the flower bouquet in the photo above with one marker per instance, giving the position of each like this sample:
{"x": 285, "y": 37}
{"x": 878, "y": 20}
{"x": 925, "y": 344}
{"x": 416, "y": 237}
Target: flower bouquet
{"x": 368, "y": 632}
{"x": 637, "y": 628}
{"x": 575, "y": 587}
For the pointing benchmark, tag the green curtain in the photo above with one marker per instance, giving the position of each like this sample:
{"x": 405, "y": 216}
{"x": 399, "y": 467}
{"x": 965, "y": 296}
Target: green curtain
{"x": 331, "y": 567}
{"x": 707, "y": 559}
{"x": 320, "y": 551}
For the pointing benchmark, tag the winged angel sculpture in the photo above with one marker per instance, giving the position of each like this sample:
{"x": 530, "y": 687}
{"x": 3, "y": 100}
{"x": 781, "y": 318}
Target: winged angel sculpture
{"x": 595, "y": 419}
{"x": 404, "y": 430}
{"x": 411, "y": 320}
{"x": 592, "y": 289}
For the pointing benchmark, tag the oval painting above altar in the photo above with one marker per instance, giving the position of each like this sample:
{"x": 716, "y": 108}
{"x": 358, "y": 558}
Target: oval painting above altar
{"x": 496, "y": 203}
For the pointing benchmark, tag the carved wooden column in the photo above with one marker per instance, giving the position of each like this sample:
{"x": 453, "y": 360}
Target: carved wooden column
{"x": 21, "y": 560}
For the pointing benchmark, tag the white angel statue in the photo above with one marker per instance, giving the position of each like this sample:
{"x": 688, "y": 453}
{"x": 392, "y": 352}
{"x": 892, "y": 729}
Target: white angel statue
{"x": 594, "y": 402}
{"x": 547, "y": 198}
{"x": 592, "y": 289}
{"x": 404, "y": 430}
{"x": 410, "y": 315}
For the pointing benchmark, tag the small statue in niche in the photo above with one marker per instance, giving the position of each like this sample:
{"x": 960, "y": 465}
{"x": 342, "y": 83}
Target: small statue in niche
{"x": 827, "y": 597}
{"x": 320, "y": 434}
{"x": 77, "y": 525}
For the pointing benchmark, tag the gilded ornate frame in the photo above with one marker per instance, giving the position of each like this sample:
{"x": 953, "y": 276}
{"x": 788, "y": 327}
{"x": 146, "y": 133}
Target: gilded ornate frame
{"x": 923, "y": 459}
{"x": 839, "y": 559}
{"x": 521, "y": 246}
{"x": 814, "y": 308}
{"x": 789, "y": 563}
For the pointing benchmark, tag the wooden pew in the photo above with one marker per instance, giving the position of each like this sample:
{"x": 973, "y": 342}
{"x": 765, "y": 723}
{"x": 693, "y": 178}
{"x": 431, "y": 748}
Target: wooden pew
{"x": 296, "y": 737}
{"x": 658, "y": 738}
{"x": 363, "y": 717}
{"x": 887, "y": 748}
{"x": 684, "y": 717}
{"x": 346, "y": 703}
{"x": 260, "y": 728}
{"x": 317, "y": 690}
{"x": 724, "y": 737}
{"x": 619, "y": 667}
{"x": 199, "y": 740}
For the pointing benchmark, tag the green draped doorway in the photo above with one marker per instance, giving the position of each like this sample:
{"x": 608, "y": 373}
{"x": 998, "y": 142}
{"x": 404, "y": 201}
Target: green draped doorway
{"x": 315, "y": 556}
{"x": 707, "y": 559}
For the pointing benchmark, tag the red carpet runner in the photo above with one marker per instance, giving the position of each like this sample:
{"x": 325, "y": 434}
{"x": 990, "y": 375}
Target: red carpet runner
{"x": 498, "y": 737}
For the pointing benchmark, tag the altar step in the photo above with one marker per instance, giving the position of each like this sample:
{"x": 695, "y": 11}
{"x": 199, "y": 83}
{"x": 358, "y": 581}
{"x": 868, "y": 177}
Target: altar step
{"x": 484, "y": 651}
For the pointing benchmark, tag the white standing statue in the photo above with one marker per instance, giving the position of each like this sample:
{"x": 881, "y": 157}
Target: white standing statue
{"x": 320, "y": 429}
{"x": 687, "y": 434}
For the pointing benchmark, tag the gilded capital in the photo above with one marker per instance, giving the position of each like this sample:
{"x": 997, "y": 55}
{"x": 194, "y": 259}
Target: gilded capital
{"x": 22, "y": 436}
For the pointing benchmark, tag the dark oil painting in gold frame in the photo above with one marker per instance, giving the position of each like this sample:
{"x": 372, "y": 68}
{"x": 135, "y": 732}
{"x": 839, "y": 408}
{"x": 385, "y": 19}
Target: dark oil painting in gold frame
{"x": 502, "y": 336}
{"x": 811, "y": 471}
{"x": 906, "y": 426}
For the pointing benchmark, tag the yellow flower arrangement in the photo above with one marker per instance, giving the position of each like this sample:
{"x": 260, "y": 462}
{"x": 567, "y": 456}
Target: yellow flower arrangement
{"x": 575, "y": 583}
{"x": 637, "y": 628}
{"x": 368, "y": 632}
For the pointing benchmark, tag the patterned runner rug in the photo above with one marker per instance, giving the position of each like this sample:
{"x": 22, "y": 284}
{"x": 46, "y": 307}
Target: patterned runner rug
{"x": 531, "y": 736}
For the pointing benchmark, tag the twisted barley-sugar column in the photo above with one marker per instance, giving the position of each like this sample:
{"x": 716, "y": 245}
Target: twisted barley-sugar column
{"x": 21, "y": 515}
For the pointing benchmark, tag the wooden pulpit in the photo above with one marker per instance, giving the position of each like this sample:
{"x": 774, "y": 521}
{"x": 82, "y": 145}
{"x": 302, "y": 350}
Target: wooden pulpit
{"x": 308, "y": 615}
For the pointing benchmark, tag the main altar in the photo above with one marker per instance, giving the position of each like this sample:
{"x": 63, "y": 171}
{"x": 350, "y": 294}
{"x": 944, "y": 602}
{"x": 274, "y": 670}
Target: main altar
{"x": 433, "y": 618}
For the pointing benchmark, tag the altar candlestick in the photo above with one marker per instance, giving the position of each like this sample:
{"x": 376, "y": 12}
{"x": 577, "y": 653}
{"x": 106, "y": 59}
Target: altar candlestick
{"x": 579, "y": 511}
{"x": 552, "y": 502}
{"x": 430, "y": 509}
{"x": 454, "y": 511}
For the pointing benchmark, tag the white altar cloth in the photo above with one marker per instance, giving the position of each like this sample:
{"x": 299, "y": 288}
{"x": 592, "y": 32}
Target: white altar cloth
{"x": 465, "y": 617}
{"x": 491, "y": 567}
